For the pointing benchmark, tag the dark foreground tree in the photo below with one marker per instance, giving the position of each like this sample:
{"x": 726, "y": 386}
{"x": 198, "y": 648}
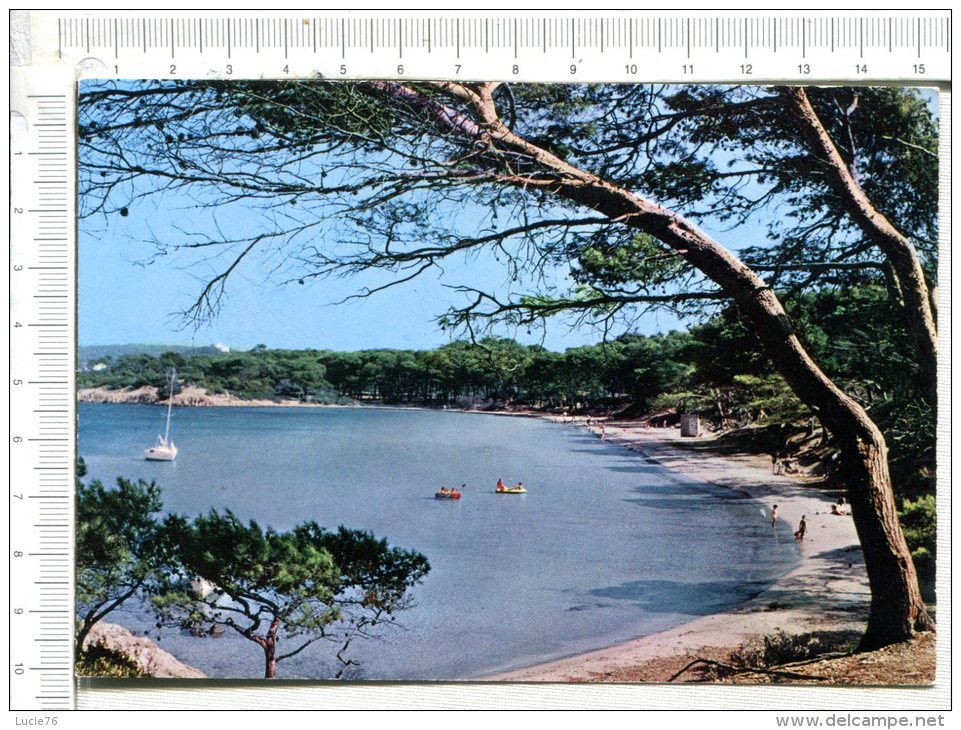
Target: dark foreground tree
{"x": 120, "y": 549}
{"x": 381, "y": 172}
{"x": 284, "y": 591}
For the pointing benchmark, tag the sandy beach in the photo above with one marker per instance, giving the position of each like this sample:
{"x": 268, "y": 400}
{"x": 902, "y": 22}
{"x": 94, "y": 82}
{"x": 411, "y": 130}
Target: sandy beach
{"x": 828, "y": 591}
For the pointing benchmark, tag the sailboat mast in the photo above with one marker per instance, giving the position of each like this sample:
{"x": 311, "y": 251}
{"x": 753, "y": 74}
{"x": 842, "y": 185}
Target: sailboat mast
{"x": 170, "y": 404}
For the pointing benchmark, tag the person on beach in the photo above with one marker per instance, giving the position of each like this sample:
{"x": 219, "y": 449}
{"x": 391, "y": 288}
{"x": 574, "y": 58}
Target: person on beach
{"x": 780, "y": 463}
{"x": 773, "y": 515}
{"x": 801, "y": 530}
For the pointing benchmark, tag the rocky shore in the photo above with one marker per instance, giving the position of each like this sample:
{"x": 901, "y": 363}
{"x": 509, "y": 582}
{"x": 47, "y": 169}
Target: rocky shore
{"x": 189, "y": 396}
{"x": 149, "y": 659}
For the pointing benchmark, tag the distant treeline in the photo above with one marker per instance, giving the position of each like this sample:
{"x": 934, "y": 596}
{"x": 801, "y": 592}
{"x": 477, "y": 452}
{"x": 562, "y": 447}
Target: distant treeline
{"x": 631, "y": 368}
{"x": 89, "y": 354}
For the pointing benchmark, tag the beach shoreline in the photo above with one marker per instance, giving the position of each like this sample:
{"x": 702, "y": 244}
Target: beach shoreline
{"x": 827, "y": 592}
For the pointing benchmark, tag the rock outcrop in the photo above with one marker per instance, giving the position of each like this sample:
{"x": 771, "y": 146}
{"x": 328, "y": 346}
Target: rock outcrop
{"x": 189, "y": 396}
{"x": 149, "y": 658}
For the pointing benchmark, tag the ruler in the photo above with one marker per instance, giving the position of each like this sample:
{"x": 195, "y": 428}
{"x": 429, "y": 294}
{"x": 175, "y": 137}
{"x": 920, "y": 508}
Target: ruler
{"x": 636, "y": 46}
{"x": 42, "y": 364}
{"x": 51, "y": 50}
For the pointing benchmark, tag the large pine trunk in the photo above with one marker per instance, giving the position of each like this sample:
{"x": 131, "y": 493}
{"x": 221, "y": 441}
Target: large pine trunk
{"x": 897, "y": 610}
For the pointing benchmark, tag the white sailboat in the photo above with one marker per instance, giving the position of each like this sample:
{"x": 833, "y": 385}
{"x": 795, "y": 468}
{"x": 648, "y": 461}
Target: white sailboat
{"x": 164, "y": 449}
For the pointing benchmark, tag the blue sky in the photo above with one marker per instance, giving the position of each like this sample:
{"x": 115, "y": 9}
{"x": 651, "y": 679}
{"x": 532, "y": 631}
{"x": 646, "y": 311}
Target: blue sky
{"x": 125, "y": 296}
{"x": 128, "y": 295}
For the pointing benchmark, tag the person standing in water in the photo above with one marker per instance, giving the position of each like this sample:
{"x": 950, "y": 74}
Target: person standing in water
{"x": 773, "y": 515}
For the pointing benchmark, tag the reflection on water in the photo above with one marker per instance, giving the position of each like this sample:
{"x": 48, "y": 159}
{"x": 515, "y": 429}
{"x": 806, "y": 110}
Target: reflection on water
{"x": 603, "y": 547}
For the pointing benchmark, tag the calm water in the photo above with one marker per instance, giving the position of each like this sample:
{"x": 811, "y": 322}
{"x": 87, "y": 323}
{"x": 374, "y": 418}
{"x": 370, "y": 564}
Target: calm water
{"x": 603, "y": 548}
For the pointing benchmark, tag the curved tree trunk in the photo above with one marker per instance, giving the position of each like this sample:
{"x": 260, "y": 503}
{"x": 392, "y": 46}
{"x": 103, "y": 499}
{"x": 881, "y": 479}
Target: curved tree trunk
{"x": 897, "y": 610}
{"x": 920, "y": 315}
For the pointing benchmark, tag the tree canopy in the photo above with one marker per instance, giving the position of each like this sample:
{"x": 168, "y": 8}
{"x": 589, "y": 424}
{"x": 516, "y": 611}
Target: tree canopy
{"x": 284, "y": 590}
{"x": 121, "y": 550}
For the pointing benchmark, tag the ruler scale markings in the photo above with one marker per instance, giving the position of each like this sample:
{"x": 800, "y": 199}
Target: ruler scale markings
{"x": 49, "y": 481}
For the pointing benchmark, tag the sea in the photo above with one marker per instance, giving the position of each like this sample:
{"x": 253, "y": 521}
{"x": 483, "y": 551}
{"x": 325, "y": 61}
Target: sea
{"x": 604, "y": 547}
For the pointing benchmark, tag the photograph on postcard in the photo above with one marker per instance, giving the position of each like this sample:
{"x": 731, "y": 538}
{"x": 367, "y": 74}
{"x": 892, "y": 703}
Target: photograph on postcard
{"x": 411, "y": 380}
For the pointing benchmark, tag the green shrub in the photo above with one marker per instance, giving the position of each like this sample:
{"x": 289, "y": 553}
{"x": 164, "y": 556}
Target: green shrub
{"x": 98, "y": 661}
{"x": 919, "y": 522}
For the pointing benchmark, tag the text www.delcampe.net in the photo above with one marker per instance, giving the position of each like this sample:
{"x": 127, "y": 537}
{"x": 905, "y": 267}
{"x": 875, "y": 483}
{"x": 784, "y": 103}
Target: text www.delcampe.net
{"x": 860, "y": 721}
